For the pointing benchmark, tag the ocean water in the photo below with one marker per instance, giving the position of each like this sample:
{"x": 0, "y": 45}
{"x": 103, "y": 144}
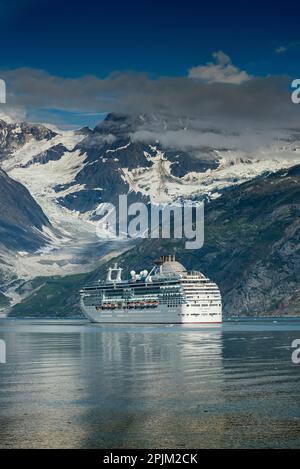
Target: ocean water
{"x": 72, "y": 384}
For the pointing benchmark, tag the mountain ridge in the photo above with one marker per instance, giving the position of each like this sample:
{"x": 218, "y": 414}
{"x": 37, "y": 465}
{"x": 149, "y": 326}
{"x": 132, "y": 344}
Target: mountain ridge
{"x": 69, "y": 174}
{"x": 251, "y": 249}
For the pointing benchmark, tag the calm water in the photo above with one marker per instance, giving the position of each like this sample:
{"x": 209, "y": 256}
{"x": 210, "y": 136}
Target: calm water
{"x": 78, "y": 385}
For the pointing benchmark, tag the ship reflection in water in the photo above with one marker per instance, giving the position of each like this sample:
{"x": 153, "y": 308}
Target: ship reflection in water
{"x": 90, "y": 386}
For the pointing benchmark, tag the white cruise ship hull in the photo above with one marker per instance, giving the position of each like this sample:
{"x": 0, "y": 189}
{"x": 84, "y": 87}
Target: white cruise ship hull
{"x": 160, "y": 315}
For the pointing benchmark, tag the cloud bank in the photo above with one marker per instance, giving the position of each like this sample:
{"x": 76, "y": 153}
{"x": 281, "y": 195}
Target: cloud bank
{"x": 218, "y": 92}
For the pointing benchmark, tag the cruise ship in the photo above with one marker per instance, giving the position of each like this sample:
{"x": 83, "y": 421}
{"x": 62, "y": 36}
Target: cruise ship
{"x": 168, "y": 294}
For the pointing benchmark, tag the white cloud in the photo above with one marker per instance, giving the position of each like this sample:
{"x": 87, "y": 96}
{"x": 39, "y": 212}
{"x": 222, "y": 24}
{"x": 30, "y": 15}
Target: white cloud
{"x": 281, "y": 49}
{"x": 256, "y": 99}
{"x": 245, "y": 140}
{"x": 294, "y": 45}
{"x": 11, "y": 114}
{"x": 220, "y": 71}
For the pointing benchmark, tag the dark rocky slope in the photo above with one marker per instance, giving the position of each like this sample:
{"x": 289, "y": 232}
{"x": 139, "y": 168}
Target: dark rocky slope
{"x": 21, "y": 218}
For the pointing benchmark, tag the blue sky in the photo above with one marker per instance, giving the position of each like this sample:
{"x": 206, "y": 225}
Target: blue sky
{"x": 72, "y": 38}
{"x": 160, "y": 38}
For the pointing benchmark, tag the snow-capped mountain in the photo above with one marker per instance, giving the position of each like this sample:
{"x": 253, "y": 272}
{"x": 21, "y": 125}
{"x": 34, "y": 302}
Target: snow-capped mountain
{"x": 251, "y": 249}
{"x": 24, "y": 229}
{"x": 68, "y": 241}
{"x": 15, "y": 135}
{"x": 150, "y": 158}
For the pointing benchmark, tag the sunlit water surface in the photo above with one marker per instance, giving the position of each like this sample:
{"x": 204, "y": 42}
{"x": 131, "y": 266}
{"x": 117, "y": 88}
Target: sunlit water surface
{"x": 77, "y": 385}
